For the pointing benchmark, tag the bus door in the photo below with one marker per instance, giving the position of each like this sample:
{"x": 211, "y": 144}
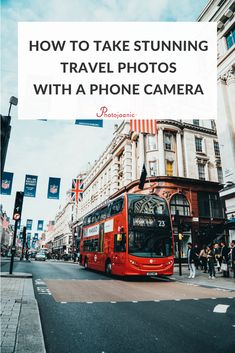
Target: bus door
{"x": 119, "y": 249}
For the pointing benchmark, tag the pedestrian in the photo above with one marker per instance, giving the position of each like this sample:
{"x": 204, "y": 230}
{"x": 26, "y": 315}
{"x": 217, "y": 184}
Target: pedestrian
{"x": 218, "y": 258}
{"x": 191, "y": 260}
{"x": 74, "y": 256}
{"x": 232, "y": 256}
{"x": 211, "y": 261}
{"x": 203, "y": 258}
{"x": 225, "y": 258}
{"x": 197, "y": 259}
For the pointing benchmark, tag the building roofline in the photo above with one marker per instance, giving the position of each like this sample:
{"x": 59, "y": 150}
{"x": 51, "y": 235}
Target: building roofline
{"x": 171, "y": 179}
{"x": 204, "y": 10}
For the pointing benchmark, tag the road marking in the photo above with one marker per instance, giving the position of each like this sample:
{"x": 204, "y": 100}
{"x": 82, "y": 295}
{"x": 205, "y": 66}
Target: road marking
{"x": 113, "y": 302}
{"x": 63, "y": 302}
{"x": 157, "y": 300}
{"x": 230, "y": 297}
{"x": 134, "y": 301}
{"x": 220, "y": 308}
{"x": 213, "y": 298}
{"x": 233, "y": 325}
{"x": 177, "y": 300}
{"x": 39, "y": 282}
{"x": 89, "y": 302}
{"x": 195, "y": 299}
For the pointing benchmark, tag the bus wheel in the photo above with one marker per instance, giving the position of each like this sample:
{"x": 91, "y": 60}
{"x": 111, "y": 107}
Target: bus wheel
{"x": 86, "y": 264}
{"x": 108, "y": 268}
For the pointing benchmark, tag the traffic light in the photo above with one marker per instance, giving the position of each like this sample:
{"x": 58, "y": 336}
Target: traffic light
{"x": 5, "y": 136}
{"x": 18, "y": 205}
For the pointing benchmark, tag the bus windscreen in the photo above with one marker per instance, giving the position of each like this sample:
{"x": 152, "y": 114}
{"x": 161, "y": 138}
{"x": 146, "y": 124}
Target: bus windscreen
{"x": 149, "y": 226}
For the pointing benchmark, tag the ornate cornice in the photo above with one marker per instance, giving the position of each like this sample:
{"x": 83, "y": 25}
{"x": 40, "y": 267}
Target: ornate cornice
{"x": 228, "y": 77}
{"x": 183, "y": 125}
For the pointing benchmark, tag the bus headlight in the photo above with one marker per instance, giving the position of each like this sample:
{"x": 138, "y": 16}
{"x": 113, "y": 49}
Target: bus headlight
{"x": 132, "y": 262}
{"x": 169, "y": 262}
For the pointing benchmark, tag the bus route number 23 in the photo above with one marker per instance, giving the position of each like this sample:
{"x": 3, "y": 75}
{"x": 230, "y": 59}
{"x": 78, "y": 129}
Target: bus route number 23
{"x": 161, "y": 223}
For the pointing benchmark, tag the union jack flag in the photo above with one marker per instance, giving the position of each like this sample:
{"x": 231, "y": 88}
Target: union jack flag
{"x": 77, "y": 189}
{"x": 50, "y": 226}
{"x": 147, "y": 126}
{"x": 5, "y": 222}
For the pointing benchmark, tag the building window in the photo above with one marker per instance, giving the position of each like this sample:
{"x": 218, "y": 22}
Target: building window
{"x": 201, "y": 172}
{"x": 152, "y": 142}
{"x": 209, "y": 205}
{"x": 153, "y": 168}
{"x": 196, "y": 122}
{"x": 213, "y": 125}
{"x": 216, "y": 149}
{"x": 220, "y": 175}
{"x": 168, "y": 141}
{"x": 169, "y": 168}
{"x": 198, "y": 144}
{"x": 230, "y": 38}
{"x": 180, "y": 203}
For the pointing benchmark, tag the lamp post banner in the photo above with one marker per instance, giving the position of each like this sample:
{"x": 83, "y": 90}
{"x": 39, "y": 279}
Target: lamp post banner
{"x": 53, "y": 188}
{"x": 6, "y": 184}
{"x": 30, "y": 185}
{"x": 40, "y": 225}
{"x": 29, "y": 224}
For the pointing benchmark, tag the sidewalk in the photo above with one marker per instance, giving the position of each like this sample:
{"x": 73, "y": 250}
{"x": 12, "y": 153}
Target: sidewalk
{"x": 21, "y": 330}
{"x": 202, "y": 279}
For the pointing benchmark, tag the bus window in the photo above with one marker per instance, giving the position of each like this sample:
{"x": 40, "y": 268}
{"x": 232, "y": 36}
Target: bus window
{"x": 103, "y": 213}
{"x": 120, "y": 245}
{"x": 90, "y": 245}
{"x": 93, "y": 218}
{"x": 116, "y": 206}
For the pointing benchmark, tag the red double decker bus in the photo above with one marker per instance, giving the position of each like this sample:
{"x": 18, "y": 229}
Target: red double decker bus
{"x": 130, "y": 235}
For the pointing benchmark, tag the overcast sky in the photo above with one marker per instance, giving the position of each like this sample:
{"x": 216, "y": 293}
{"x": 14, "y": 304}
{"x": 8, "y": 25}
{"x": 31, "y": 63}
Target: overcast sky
{"x": 60, "y": 148}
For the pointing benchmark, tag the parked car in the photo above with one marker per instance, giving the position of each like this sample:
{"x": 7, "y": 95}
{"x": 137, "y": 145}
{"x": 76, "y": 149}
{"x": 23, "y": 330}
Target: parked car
{"x": 40, "y": 256}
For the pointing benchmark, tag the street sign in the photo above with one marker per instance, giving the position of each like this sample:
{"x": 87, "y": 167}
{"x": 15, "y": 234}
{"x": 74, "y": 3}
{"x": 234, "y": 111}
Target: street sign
{"x": 16, "y": 216}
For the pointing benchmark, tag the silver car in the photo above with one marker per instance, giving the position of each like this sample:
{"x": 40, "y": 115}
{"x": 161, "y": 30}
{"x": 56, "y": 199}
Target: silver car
{"x": 40, "y": 256}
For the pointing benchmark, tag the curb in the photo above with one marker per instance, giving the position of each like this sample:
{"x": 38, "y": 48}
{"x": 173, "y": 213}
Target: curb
{"x": 29, "y": 334}
{"x": 16, "y": 275}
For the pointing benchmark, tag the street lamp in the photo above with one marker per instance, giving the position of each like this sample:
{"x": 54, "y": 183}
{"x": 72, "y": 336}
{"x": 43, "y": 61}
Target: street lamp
{"x": 5, "y": 132}
{"x": 13, "y": 101}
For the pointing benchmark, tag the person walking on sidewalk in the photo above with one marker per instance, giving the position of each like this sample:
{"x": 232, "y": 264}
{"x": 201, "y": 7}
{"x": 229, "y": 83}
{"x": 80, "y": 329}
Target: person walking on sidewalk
{"x": 192, "y": 257}
{"x": 225, "y": 258}
{"x": 197, "y": 253}
{"x": 232, "y": 256}
{"x": 218, "y": 258}
{"x": 211, "y": 261}
{"x": 203, "y": 258}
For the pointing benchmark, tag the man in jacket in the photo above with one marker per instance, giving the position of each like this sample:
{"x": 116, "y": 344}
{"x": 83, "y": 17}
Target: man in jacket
{"x": 225, "y": 257}
{"x": 232, "y": 255}
{"x": 192, "y": 258}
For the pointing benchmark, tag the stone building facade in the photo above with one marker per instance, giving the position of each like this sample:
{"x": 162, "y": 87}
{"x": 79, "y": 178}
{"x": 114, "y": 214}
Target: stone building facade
{"x": 179, "y": 149}
{"x": 59, "y": 239}
{"x": 223, "y": 12}
{"x": 182, "y": 157}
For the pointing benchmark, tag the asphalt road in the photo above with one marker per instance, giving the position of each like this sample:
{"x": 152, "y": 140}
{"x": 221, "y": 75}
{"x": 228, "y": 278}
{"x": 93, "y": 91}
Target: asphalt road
{"x": 170, "y": 324}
